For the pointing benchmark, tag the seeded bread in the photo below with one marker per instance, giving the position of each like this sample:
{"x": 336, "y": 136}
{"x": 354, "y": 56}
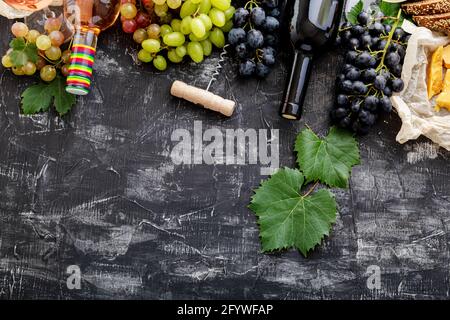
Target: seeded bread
{"x": 435, "y": 22}
{"x": 427, "y": 7}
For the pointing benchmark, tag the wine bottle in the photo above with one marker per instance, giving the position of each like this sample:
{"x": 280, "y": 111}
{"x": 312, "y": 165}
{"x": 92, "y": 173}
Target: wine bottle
{"x": 89, "y": 18}
{"x": 312, "y": 27}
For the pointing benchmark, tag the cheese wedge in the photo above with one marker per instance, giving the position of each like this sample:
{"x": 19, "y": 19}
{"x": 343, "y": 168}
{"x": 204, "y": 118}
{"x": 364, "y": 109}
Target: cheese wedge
{"x": 446, "y": 56}
{"x": 434, "y": 73}
{"x": 446, "y": 85}
{"x": 443, "y": 101}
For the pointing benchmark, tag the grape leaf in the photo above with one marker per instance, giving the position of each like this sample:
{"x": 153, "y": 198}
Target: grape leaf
{"x": 63, "y": 100}
{"x": 18, "y": 58}
{"x": 39, "y": 97}
{"x": 354, "y": 11}
{"x": 36, "y": 98}
{"x": 288, "y": 219}
{"x": 17, "y": 44}
{"x": 389, "y": 9}
{"x": 22, "y": 52}
{"x": 327, "y": 160}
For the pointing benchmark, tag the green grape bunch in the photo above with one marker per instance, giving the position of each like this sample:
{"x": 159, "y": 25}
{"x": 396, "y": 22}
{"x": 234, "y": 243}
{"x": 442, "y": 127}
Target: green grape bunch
{"x": 31, "y": 52}
{"x": 181, "y": 28}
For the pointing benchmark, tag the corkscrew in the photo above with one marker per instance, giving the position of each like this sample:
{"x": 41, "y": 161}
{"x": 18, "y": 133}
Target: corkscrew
{"x": 204, "y": 97}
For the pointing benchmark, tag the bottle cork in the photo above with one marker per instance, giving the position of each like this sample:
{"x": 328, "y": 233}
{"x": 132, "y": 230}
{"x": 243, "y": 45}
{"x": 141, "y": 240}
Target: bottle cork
{"x": 202, "y": 97}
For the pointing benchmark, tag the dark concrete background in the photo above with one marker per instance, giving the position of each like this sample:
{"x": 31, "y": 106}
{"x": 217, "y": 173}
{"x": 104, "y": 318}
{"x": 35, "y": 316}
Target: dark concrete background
{"x": 98, "y": 189}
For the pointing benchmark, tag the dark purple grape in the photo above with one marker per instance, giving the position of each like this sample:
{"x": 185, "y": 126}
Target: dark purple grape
{"x": 363, "y": 59}
{"x": 368, "y": 75}
{"x": 342, "y": 100}
{"x": 353, "y": 74}
{"x": 258, "y": 16}
{"x": 262, "y": 71}
{"x": 241, "y": 51}
{"x": 271, "y": 24}
{"x": 371, "y": 103}
{"x": 255, "y": 39}
{"x": 397, "y": 85}
{"x": 385, "y": 104}
{"x": 240, "y": 17}
{"x": 380, "y": 82}
{"x": 247, "y": 68}
{"x": 363, "y": 18}
{"x": 236, "y": 36}
{"x": 376, "y": 29}
{"x": 359, "y": 88}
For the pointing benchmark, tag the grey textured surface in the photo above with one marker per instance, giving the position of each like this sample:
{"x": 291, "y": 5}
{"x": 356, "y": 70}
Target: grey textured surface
{"x": 98, "y": 189}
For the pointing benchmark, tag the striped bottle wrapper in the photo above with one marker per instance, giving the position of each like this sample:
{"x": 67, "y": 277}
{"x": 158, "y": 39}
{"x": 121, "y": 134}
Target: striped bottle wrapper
{"x": 80, "y": 69}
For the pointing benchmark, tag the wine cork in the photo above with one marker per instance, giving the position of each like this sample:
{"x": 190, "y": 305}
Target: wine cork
{"x": 202, "y": 97}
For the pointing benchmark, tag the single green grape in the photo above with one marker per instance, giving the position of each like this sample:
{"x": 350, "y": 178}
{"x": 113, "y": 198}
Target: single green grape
{"x": 48, "y": 73}
{"x": 43, "y": 42}
{"x": 176, "y": 25}
{"x": 174, "y": 39}
{"x": 32, "y": 36}
{"x": 29, "y": 68}
{"x": 18, "y": 71}
{"x": 204, "y": 7}
{"x": 188, "y": 8}
{"x": 217, "y": 17}
{"x": 6, "y": 61}
{"x": 173, "y": 56}
{"x": 181, "y": 51}
{"x": 140, "y": 35}
{"x": 160, "y": 63}
{"x": 195, "y": 51}
{"x": 228, "y": 26}
{"x": 192, "y": 37}
{"x": 206, "y": 21}
{"x": 161, "y": 9}
{"x": 207, "y": 47}
{"x": 144, "y": 56}
{"x": 53, "y": 53}
{"x": 165, "y": 29}
{"x": 229, "y": 13}
{"x": 151, "y": 45}
{"x": 222, "y": 5}
{"x": 185, "y": 26}
{"x": 153, "y": 31}
{"x": 198, "y": 27}
{"x": 217, "y": 37}
{"x": 174, "y": 4}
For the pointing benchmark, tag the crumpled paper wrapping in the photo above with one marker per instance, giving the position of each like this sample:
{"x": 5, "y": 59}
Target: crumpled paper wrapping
{"x": 412, "y": 104}
{"x": 11, "y": 13}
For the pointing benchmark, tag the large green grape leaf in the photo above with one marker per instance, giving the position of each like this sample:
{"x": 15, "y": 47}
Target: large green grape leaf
{"x": 327, "y": 160}
{"x": 289, "y": 219}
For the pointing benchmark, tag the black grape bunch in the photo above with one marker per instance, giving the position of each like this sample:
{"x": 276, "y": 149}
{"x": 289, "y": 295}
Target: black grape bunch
{"x": 371, "y": 73}
{"x": 255, "y": 37}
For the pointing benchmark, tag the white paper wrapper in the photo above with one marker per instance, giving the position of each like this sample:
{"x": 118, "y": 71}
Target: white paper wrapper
{"x": 11, "y": 13}
{"x": 416, "y": 111}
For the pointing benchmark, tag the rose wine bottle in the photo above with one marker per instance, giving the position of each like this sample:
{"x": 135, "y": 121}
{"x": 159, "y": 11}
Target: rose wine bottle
{"x": 313, "y": 26}
{"x": 89, "y": 18}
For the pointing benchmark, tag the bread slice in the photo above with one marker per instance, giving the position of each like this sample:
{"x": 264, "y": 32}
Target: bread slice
{"x": 427, "y": 7}
{"x": 435, "y": 22}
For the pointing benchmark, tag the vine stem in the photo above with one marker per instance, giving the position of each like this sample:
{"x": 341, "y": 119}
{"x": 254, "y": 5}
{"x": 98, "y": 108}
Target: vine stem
{"x": 389, "y": 40}
{"x": 311, "y": 189}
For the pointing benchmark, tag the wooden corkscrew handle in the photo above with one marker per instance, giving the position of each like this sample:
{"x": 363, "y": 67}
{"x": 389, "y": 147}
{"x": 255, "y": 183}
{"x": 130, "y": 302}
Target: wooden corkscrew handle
{"x": 202, "y": 97}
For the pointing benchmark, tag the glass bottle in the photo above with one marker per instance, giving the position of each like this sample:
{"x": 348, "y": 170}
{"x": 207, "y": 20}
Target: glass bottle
{"x": 89, "y": 18}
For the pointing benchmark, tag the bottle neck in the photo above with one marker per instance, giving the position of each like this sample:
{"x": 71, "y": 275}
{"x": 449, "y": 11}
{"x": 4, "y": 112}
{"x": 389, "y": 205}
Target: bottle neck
{"x": 82, "y": 61}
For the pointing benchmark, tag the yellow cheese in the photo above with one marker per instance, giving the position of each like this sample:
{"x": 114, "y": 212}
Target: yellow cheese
{"x": 443, "y": 101}
{"x": 446, "y": 57}
{"x": 434, "y": 73}
{"x": 446, "y": 86}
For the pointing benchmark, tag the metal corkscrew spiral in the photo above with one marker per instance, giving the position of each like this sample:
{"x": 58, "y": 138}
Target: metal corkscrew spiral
{"x": 219, "y": 66}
